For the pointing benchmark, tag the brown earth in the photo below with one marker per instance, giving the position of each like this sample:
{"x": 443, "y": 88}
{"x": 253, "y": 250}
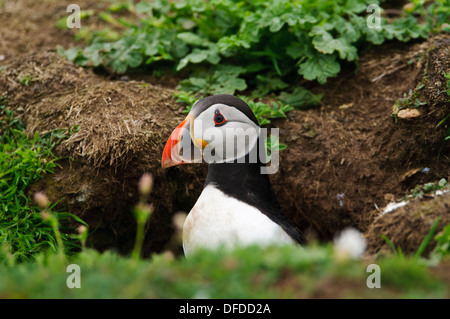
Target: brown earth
{"x": 349, "y": 158}
{"x": 407, "y": 226}
{"x": 344, "y": 162}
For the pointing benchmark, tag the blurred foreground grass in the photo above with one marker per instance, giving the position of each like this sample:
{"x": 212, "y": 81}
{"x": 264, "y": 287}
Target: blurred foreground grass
{"x": 251, "y": 272}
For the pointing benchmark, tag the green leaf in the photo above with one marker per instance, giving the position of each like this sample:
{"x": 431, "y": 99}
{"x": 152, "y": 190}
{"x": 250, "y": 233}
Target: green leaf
{"x": 325, "y": 43}
{"x": 347, "y": 30}
{"x": 228, "y": 86}
{"x": 193, "y": 84}
{"x": 276, "y": 24}
{"x": 198, "y": 55}
{"x": 442, "y": 182}
{"x": 301, "y": 98}
{"x": 356, "y": 6}
{"x": 268, "y": 84}
{"x": 231, "y": 42}
{"x": 143, "y": 7}
{"x": 226, "y": 80}
{"x": 319, "y": 67}
{"x": 193, "y": 39}
{"x": 298, "y": 49}
{"x": 71, "y": 53}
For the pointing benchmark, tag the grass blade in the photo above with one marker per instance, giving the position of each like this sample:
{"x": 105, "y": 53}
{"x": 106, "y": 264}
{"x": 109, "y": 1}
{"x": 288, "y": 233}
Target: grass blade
{"x": 427, "y": 239}
{"x": 390, "y": 243}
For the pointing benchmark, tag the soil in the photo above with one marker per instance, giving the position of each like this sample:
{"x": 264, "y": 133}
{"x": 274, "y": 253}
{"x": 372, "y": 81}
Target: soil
{"x": 350, "y": 158}
{"x": 407, "y": 226}
{"x": 345, "y": 161}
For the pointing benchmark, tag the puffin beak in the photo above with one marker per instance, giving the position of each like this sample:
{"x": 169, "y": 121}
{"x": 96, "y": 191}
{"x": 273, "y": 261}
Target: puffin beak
{"x": 182, "y": 147}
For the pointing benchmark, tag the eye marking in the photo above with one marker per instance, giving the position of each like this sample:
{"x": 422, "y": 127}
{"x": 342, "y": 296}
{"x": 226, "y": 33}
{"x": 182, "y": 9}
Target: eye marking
{"x": 219, "y": 119}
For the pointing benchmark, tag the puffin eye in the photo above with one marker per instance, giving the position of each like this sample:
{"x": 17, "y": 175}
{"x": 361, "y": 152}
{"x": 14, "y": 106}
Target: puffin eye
{"x": 219, "y": 119}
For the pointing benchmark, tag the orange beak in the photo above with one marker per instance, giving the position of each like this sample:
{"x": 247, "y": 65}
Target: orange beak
{"x": 183, "y": 134}
{"x": 171, "y": 150}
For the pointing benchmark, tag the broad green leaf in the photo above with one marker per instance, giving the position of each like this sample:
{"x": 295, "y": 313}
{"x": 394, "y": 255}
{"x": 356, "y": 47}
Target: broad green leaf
{"x": 300, "y": 98}
{"x": 143, "y": 7}
{"x": 276, "y": 24}
{"x": 198, "y": 56}
{"x": 193, "y": 39}
{"x": 193, "y": 84}
{"x": 319, "y": 67}
{"x": 229, "y": 86}
{"x": 231, "y": 42}
{"x": 296, "y": 50}
{"x": 325, "y": 43}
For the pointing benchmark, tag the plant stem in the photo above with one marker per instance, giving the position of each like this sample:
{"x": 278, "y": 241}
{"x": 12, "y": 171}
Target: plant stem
{"x": 142, "y": 212}
{"x": 139, "y": 240}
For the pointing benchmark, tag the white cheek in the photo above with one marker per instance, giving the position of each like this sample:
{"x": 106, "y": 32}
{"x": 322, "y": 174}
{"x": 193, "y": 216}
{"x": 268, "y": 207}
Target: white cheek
{"x": 240, "y": 139}
{"x": 213, "y": 152}
{"x": 230, "y": 141}
{"x": 204, "y": 123}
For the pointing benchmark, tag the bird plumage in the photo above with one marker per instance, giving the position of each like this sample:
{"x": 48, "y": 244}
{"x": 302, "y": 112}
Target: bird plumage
{"x": 238, "y": 205}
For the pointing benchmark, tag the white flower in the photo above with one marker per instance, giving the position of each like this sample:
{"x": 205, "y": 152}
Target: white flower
{"x": 350, "y": 243}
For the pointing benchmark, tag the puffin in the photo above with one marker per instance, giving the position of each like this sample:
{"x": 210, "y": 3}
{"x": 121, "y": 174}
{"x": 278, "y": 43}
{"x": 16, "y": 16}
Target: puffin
{"x": 237, "y": 206}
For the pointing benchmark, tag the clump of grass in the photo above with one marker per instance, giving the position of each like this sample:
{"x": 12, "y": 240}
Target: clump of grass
{"x": 423, "y": 245}
{"x": 442, "y": 248}
{"x": 409, "y": 100}
{"x": 248, "y": 272}
{"x": 26, "y": 80}
{"x": 47, "y": 216}
{"x": 23, "y": 161}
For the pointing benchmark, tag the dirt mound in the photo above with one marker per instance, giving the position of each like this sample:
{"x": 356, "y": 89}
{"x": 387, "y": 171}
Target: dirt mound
{"x": 407, "y": 226}
{"x": 39, "y": 75}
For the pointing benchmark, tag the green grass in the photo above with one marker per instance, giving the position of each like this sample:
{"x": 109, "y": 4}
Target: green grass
{"x": 423, "y": 245}
{"x": 23, "y": 161}
{"x": 251, "y": 272}
{"x": 443, "y": 243}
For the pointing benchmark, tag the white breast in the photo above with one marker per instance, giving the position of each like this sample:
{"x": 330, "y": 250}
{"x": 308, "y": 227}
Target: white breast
{"x": 217, "y": 219}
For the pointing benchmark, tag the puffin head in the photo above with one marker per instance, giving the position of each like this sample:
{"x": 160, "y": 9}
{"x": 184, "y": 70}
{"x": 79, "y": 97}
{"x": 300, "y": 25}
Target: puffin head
{"x": 218, "y": 129}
